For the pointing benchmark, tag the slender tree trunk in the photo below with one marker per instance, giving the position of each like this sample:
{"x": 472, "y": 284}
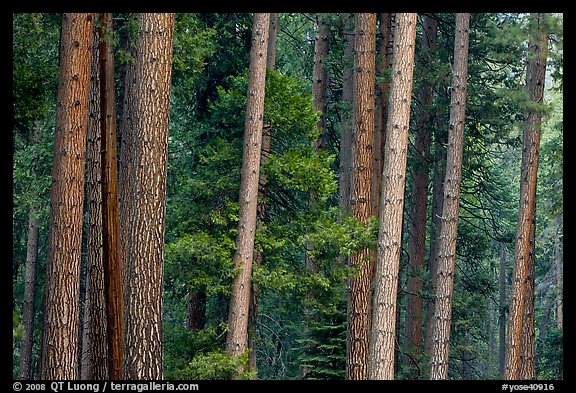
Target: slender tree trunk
{"x": 559, "y": 281}
{"x": 94, "y": 364}
{"x": 147, "y": 203}
{"x": 384, "y": 61}
{"x": 502, "y": 307}
{"x": 29, "y": 294}
{"x": 262, "y": 209}
{"x": 110, "y": 234}
{"x": 535, "y": 76}
{"x": 381, "y": 358}
{"x": 418, "y": 209}
{"x": 237, "y": 337}
{"x": 360, "y": 283}
{"x": 345, "y": 122}
{"x": 450, "y": 210}
{"x": 320, "y": 78}
{"x": 62, "y": 288}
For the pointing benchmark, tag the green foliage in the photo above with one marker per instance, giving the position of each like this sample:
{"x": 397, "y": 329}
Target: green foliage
{"x": 551, "y": 356}
{"x": 215, "y": 365}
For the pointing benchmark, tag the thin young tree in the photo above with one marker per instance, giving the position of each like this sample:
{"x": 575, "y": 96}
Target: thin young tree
{"x": 147, "y": 198}
{"x": 418, "y": 207}
{"x": 237, "y": 337}
{"x": 535, "y": 79}
{"x": 262, "y": 209}
{"x": 110, "y": 223}
{"x": 62, "y": 291}
{"x": 449, "y": 227}
{"x": 383, "y": 333}
{"x": 361, "y": 263}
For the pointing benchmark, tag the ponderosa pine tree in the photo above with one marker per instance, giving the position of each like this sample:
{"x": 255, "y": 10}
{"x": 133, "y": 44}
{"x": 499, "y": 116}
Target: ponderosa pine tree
{"x": 450, "y": 210}
{"x": 418, "y": 207}
{"x": 237, "y": 337}
{"x": 62, "y": 293}
{"x": 94, "y": 363}
{"x": 361, "y": 263}
{"x": 383, "y": 334}
{"x": 535, "y": 79}
{"x": 147, "y": 204}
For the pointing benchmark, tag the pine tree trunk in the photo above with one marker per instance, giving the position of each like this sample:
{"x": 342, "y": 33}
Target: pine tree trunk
{"x": 381, "y": 357}
{"x": 237, "y": 337}
{"x": 345, "y": 121}
{"x": 62, "y": 288}
{"x": 262, "y": 209}
{"x": 384, "y": 62}
{"x": 527, "y": 357}
{"x": 29, "y": 294}
{"x": 418, "y": 208}
{"x": 361, "y": 263}
{"x": 535, "y": 76}
{"x": 94, "y": 364}
{"x": 450, "y": 210}
{"x": 110, "y": 219}
{"x": 147, "y": 203}
{"x": 320, "y": 78}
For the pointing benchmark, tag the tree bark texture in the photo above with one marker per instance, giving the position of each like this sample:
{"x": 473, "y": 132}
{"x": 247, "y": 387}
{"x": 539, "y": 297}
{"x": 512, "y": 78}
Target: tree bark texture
{"x": 147, "y": 205}
{"x": 450, "y": 210}
{"x": 320, "y": 78}
{"x": 527, "y": 357}
{"x": 62, "y": 288}
{"x": 196, "y": 309}
{"x": 237, "y": 337}
{"x": 535, "y": 76}
{"x": 94, "y": 364}
{"x": 381, "y": 359}
{"x": 418, "y": 208}
{"x": 360, "y": 283}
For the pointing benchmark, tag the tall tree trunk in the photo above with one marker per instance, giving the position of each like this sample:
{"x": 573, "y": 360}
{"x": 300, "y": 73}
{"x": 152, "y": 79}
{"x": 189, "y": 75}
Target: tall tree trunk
{"x": 147, "y": 203}
{"x": 527, "y": 357}
{"x": 502, "y": 308}
{"x": 320, "y": 78}
{"x": 94, "y": 364}
{"x": 29, "y": 294}
{"x": 237, "y": 337}
{"x": 381, "y": 357}
{"x": 360, "y": 283}
{"x": 418, "y": 209}
{"x": 262, "y": 209}
{"x": 384, "y": 62}
{"x": 559, "y": 280}
{"x": 110, "y": 235}
{"x": 535, "y": 76}
{"x": 62, "y": 291}
{"x": 450, "y": 210}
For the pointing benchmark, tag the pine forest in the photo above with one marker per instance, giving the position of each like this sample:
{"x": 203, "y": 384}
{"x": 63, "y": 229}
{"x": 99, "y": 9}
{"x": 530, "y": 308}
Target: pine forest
{"x": 287, "y": 196}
